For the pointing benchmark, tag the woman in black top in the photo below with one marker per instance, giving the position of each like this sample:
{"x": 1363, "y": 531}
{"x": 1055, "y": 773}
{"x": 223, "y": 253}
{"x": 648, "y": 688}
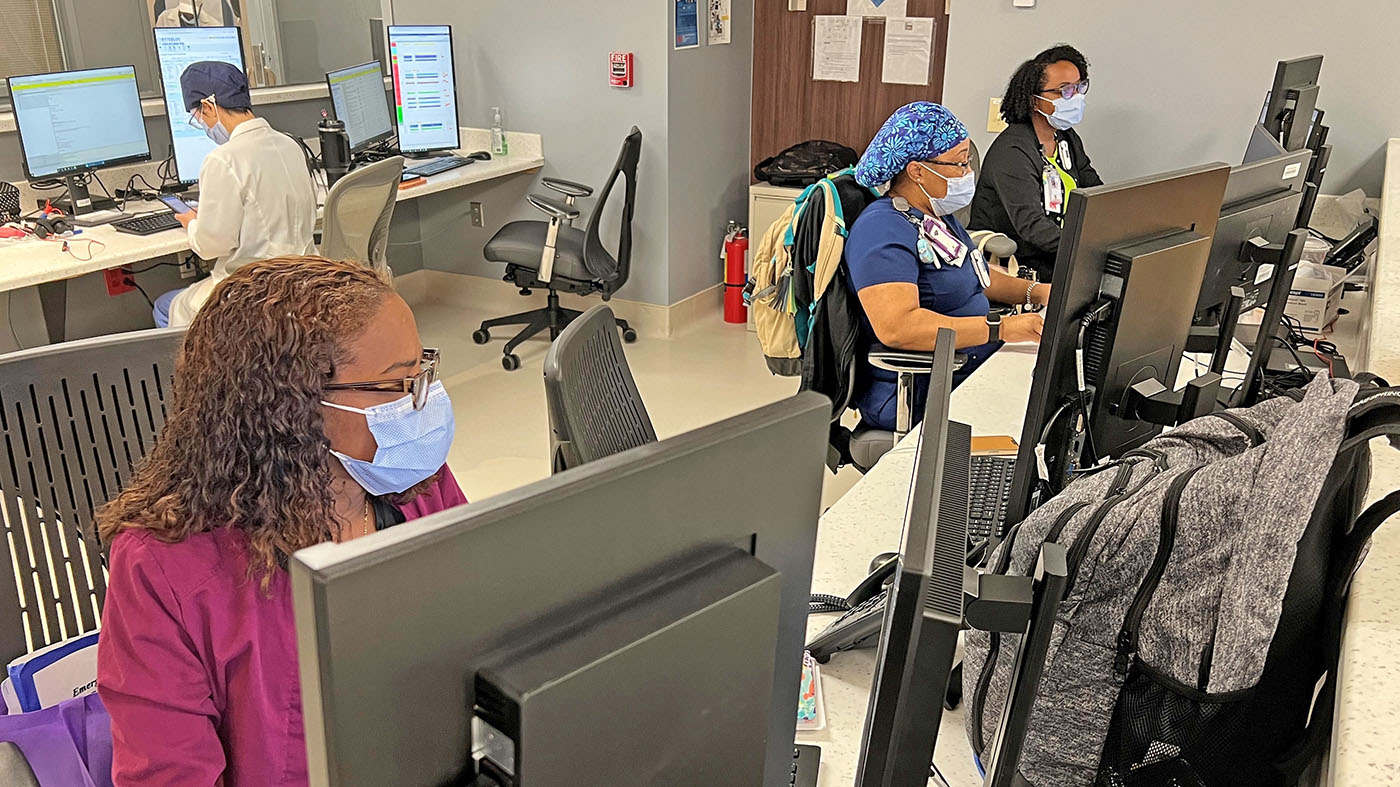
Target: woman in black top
{"x": 1039, "y": 159}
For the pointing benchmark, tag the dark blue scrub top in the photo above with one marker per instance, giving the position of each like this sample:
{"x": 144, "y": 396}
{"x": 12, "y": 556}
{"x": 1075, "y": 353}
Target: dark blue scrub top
{"x": 883, "y": 249}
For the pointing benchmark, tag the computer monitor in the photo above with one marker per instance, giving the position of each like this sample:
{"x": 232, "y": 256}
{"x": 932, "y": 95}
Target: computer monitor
{"x": 177, "y": 48}
{"x": 72, "y": 122}
{"x": 924, "y": 611}
{"x": 360, "y": 102}
{"x": 425, "y": 88}
{"x": 1262, "y": 200}
{"x": 1289, "y": 108}
{"x": 637, "y": 620}
{"x": 1127, "y": 279}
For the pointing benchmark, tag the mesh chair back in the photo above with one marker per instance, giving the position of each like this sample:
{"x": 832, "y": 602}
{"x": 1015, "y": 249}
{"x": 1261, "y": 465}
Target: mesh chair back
{"x": 74, "y": 419}
{"x": 964, "y": 216}
{"x": 601, "y": 265}
{"x": 595, "y": 409}
{"x": 358, "y": 211}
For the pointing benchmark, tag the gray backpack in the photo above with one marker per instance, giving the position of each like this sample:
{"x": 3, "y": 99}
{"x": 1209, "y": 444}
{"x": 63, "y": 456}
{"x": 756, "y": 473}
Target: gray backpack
{"x": 1208, "y": 575}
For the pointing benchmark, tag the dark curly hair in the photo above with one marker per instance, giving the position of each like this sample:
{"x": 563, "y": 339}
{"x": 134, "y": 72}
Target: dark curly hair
{"x": 243, "y": 444}
{"x": 1017, "y": 103}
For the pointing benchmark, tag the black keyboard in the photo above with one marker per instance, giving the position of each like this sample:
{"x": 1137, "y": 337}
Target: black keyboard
{"x": 436, "y": 167}
{"x": 991, "y": 491}
{"x": 149, "y": 224}
{"x": 805, "y": 762}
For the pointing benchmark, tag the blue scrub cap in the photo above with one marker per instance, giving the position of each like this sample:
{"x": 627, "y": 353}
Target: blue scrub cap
{"x": 225, "y": 82}
{"x": 915, "y": 132}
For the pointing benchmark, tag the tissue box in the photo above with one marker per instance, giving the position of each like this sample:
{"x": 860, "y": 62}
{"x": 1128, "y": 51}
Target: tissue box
{"x": 1316, "y": 296}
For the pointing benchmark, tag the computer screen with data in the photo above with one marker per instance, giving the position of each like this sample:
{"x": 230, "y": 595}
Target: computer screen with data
{"x": 359, "y": 101}
{"x": 74, "y": 121}
{"x": 177, "y": 48}
{"x": 425, "y": 91}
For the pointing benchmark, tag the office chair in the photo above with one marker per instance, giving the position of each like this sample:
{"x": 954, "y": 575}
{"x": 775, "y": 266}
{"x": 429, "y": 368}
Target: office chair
{"x": 358, "y": 211}
{"x": 595, "y": 409}
{"x": 74, "y": 420}
{"x": 558, "y": 257}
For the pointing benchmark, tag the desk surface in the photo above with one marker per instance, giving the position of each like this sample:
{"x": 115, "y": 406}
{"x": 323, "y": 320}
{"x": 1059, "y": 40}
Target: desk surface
{"x": 24, "y": 263}
{"x": 869, "y": 520}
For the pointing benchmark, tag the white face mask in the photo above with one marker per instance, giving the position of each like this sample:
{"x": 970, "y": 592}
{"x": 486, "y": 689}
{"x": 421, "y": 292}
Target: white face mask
{"x": 1069, "y": 112}
{"x": 960, "y": 193}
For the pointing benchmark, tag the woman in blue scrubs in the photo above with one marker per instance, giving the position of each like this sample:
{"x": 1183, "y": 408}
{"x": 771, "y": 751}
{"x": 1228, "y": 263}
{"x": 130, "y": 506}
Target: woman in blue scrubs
{"x": 913, "y": 266}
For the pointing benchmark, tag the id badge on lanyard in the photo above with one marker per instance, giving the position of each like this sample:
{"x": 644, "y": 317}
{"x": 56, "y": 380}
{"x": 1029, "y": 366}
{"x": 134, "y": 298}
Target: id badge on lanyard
{"x": 1054, "y": 189}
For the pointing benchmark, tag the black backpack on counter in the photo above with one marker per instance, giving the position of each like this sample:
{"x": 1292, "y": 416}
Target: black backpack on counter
{"x": 805, "y": 163}
{"x": 1209, "y": 574}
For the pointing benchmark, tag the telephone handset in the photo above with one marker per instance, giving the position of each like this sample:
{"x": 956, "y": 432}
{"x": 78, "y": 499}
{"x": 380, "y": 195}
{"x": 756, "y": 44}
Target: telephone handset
{"x": 882, "y": 570}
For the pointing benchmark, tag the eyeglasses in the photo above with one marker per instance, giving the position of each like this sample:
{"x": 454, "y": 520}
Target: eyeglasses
{"x": 965, "y": 166}
{"x": 417, "y": 385}
{"x": 1069, "y": 90}
{"x": 195, "y": 120}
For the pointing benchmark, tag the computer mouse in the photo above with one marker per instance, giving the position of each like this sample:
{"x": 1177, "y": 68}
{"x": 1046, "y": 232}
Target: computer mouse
{"x": 480, "y": 155}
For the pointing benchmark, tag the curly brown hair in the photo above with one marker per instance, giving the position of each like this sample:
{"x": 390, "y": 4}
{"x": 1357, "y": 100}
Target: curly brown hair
{"x": 243, "y": 444}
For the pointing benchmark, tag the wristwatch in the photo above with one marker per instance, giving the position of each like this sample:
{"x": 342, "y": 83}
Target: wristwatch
{"x": 993, "y": 327}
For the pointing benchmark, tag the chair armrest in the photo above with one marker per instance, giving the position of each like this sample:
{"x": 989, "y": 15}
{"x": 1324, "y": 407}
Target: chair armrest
{"x": 1000, "y": 246}
{"x": 907, "y": 361}
{"x": 567, "y": 187}
{"x": 553, "y": 207}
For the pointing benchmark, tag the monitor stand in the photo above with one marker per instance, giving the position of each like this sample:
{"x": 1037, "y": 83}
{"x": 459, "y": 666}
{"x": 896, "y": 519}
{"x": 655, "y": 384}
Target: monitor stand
{"x": 78, "y": 200}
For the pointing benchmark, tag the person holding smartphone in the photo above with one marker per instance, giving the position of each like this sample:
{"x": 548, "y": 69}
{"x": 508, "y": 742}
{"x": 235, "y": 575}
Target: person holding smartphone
{"x": 256, "y": 198}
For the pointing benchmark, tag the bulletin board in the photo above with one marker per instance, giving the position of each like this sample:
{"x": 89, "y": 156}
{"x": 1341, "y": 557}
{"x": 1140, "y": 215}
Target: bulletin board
{"x": 789, "y": 107}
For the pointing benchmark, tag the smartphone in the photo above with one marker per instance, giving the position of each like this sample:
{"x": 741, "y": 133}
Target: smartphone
{"x": 175, "y": 203}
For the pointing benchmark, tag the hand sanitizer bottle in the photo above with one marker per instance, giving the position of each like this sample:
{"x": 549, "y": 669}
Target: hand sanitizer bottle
{"x": 499, "y": 146}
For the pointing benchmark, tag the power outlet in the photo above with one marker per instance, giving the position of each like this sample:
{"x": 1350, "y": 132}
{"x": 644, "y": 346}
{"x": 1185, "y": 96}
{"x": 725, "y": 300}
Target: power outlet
{"x": 478, "y": 219}
{"x": 995, "y": 125}
{"x": 187, "y": 269}
{"x": 118, "y": 281}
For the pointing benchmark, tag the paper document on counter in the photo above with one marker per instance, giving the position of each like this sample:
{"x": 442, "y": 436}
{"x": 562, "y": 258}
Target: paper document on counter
{"x": 908, "y": 51}
{"x": 836, "y": 48}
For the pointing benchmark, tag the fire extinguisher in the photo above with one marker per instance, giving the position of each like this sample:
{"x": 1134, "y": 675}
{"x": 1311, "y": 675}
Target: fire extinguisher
{"x": 736, "y": 250}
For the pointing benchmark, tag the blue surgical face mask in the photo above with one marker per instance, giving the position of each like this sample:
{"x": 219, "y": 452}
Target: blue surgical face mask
{"x": 413, "y": 444}
{"x": 216, "y": 132}
{"x": 960, "y": 193}
{"x": 1068, "y": 112}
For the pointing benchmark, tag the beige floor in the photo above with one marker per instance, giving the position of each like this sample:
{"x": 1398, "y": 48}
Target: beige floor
{"x": 705, "y": 374}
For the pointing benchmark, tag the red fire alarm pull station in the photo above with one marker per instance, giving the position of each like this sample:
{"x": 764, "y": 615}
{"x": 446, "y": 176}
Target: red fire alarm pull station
{"x": 620, "y": 69}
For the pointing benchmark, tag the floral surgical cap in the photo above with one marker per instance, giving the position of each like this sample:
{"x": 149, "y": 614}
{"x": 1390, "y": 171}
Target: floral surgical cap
{"x": 919, "y": 131}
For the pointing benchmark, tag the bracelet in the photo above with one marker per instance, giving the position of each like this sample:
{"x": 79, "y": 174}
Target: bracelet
{"x": 1029, "y": 290}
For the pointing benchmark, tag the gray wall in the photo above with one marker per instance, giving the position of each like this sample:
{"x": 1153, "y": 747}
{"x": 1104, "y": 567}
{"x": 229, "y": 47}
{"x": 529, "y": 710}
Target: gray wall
{"x": 709, "y": 105}
{"x": 545, "y": 63}
{"x": 1182, "y": 83}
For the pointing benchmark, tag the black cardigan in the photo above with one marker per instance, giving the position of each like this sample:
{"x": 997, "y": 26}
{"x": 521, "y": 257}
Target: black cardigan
{"x": 1010, "y": 197}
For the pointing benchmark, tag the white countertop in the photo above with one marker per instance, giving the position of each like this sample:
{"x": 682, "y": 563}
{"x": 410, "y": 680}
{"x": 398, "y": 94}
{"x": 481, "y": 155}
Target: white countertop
{"x": 24, "y": 263}
{"x": 1368, "y": 696}
{"x": 869, "y": 520}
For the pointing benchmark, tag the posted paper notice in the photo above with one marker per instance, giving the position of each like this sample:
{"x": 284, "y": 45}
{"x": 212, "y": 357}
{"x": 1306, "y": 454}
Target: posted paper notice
{"x": 687, "y": 24}
{"x": 885, "y": 8}
{"x": 836, "y": 48}
{"x": 720, "y": 23}
{"x": 908, "y": 51}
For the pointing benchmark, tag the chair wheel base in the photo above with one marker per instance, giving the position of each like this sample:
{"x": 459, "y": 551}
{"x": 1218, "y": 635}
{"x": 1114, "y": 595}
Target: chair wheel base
{"x": 481, "y": 336}
{"x": 629, "y": 336}
{"x": 510, "y": 362}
